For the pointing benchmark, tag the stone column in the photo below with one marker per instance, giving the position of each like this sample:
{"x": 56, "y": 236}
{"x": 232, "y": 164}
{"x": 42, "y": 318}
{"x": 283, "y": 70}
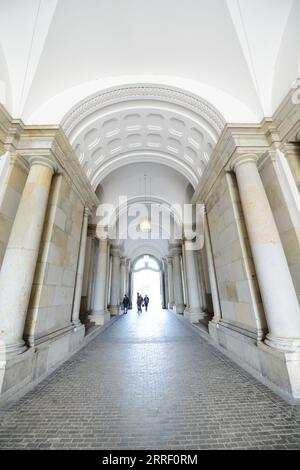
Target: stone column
{"x": 275, "y": 282}
{"x": 80, "y": 270}
{"x": 108, "y": 277}
{"x": 162, "y": 293}
{"x": 177, "y": 280}
{"x": 99, "y": 314}
{"x": 20, "y": 258}
{"x": 122, "y": 277}
{"x": 194, "y": 311}
{"x": 115, "y": 282}
{"x": 292, "y": 155}
{"x": 130, "y": 285}
{"x": 166, "y": 289}
{"x": 127, "y": 269}
{"x": 212, "y": 272}
{"x": 201, "y": 280}
{"x": 170, "y": 283}
{"x": 92, "y": 274}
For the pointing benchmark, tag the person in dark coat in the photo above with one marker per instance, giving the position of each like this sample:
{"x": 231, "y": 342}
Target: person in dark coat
{"x": 146, "y": 302}
{"x": 126, "y": 303}
{"x": 139, "y": 301}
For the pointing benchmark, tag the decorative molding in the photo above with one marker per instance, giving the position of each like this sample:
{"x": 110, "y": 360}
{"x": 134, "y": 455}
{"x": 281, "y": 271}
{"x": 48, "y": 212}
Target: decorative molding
{"x": 113, "y": 128}
{"x": 287, "y": 118}
{"x": 50, "y": 142}
{"x": 125, "y": 93}
{"x": 144, "y": 155}
{"x": 44, "y": 161}
{"x": 278, "y": 131}
{"x": 235, "y": 140}
{"x": 47, "y": 143}
{"x": 10, "y": 131}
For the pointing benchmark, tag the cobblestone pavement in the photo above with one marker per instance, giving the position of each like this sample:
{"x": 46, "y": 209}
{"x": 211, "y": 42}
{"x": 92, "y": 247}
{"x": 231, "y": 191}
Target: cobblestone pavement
{"x": 150, "y": 382}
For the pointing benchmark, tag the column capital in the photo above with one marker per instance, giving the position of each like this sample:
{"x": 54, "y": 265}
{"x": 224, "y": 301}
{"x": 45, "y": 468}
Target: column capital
{"x": 176, "y": 251}
{"x": 115, "y": 251}
{"x": 16, "y": 159}
{"x": 243, "y": 158}
{"x": 103, "y": 241}
{"x": 86, "y": 212}
{"x": 43, "y": 161}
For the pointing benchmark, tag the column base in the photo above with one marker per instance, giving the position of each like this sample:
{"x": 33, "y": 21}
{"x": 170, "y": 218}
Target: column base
{"x": 171, "y": 305}
{"x": 114, "y": 310}
{"x": 179, "y": 308}
{"x": 278, "y": 370}
{"x": 77, "y": 324}
{"x": 283, "y": 344}
{"x": 99, "y": 317}
{"x": 193, "y": 314}
{"x": 10, "y": 350}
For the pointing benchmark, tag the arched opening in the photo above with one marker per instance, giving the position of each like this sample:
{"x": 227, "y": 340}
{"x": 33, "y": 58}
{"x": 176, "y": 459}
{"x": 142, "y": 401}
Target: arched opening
{"x": 146, "y": 279}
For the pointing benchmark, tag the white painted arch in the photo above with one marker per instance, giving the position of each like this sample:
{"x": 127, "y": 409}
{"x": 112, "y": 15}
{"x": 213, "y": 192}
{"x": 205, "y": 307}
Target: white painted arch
{"x": 142, "y": 122}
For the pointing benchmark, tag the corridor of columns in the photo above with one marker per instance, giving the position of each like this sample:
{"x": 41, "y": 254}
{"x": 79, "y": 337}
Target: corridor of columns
{"x": 123, "y": 173}
{"x": 151, "y": 383}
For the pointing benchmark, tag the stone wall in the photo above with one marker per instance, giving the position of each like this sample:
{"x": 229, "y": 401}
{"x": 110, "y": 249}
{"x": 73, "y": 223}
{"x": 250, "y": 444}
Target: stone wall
{"x": 50, "y": 307}
{"x": 10, "y": 194}
{"x": 239, "y": 294}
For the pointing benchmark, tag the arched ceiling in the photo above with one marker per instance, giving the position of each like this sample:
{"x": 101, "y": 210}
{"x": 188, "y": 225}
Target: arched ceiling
{"x": 145, "y": 123}
{"x": 150, "y": 184}
{"x": 240, "y": 55}
{"x": 164, "y": 191}
{"x": 133, "y": 249}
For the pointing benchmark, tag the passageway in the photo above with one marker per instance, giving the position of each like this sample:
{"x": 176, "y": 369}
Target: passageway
{"x": 150, "y": 381}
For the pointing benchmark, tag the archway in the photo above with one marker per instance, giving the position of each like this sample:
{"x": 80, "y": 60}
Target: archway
{"x": 146, "y": 279}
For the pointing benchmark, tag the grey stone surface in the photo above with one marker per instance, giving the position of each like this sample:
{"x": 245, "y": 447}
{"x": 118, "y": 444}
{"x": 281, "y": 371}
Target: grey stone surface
{"x": 150, "y": 382}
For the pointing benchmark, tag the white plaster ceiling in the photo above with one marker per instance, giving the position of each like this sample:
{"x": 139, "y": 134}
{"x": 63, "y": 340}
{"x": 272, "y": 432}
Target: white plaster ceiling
{"x": 240, "y": 55}
{"x": 148, "y": 184}
{"x": 160, "y": 184}
{"x": 143, "y": 123}
{"x": 133, "y": 249}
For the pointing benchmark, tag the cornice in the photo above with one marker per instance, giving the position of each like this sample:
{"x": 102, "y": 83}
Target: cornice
{"x": 235, "y": 140}
{"x": 51, "y": 142}
{"x": 287, "y": 117}
{"x": 276, "y": 132}
{"x": 48, "y": 143}
{"x": 10, "y": 130}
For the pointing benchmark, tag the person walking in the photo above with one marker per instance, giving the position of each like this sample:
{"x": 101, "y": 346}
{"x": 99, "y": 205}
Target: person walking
{"x": 146, "y": 302}
{"x": 125, "y": 303}
{"x": 139, "y": 301}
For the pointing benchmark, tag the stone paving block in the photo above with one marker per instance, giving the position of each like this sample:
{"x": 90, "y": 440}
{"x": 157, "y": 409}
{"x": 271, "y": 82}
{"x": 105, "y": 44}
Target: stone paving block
{"x": 150, "y": 382}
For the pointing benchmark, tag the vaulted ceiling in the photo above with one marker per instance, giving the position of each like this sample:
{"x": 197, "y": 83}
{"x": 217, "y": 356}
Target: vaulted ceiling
{"x": 146, "y": 86}
{"x": 129, "y": 124}
{"x": 240, "y": 55}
